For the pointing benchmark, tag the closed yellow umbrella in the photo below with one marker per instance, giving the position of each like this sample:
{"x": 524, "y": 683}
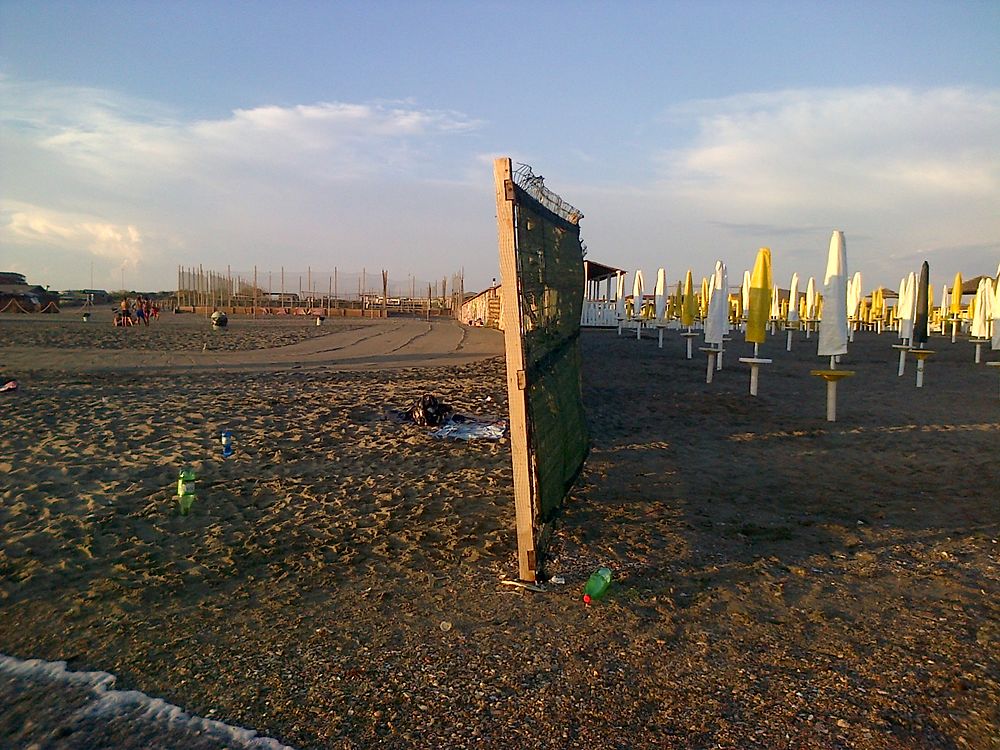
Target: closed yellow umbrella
{"x": 956, "y": 296}
{"x": 688, "y": 304}
{"x": 703, "y": 300}
{"x": 760, "y": 298}
{"x": 675, "y": 302}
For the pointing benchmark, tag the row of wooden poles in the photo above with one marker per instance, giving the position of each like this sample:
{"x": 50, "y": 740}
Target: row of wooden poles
{"x": 201, "y": 288}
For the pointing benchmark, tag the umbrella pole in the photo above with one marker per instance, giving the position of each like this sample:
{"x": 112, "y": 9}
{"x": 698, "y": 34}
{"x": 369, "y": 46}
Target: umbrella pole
{"x": 902, "y": 362}
{"x": 788, "y": 341}
{"x": 954, "y": 329}
{"x": 660, "y": 332}
{"x": 690, "y": 336}
{"x": 711, "y": 367}
{"x": 638, "y": 329}
{"x": 754, "y": 372}
{"x": 831, "y": 401}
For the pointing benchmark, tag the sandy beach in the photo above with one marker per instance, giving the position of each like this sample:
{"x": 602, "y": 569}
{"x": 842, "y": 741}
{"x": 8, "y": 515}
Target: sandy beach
{"x": 780, "y": 581}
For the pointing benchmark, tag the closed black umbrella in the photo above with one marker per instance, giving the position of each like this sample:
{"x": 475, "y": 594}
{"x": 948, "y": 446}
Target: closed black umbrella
{"x": 920, "y": 318}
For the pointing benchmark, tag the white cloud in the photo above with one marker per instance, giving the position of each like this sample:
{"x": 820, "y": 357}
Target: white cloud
{"x": 131, "y": 181}
{"x": 809, "y": 150}
{"x": 38, "y": 226}
{"x": 903, "y": 171}
{"x": 127, "y": 141}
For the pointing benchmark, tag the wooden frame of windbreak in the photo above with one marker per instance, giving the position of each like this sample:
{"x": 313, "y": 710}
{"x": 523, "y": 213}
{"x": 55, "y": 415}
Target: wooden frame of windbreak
{"x": 524, "y": 489}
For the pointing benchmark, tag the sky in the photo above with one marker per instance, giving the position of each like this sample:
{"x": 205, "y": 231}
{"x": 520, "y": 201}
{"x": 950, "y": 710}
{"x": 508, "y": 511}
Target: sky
{"x": 136, "y": 137}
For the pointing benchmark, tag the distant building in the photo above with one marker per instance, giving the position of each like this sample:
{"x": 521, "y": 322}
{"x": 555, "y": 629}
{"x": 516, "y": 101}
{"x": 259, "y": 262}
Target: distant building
{"x": 17, "y": 295}
{"x": 70, "y": 297}
{"x": 486, "y": 308}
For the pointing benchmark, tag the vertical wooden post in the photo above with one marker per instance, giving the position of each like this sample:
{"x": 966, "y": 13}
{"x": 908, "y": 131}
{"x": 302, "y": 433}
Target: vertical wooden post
{"x": 516, "y": 378}
{"x": 385, "y": 294}
{"x": 255, "y": 291}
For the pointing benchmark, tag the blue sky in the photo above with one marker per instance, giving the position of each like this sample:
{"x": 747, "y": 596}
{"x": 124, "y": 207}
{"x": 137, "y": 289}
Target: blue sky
{"x": 139, "y": 136}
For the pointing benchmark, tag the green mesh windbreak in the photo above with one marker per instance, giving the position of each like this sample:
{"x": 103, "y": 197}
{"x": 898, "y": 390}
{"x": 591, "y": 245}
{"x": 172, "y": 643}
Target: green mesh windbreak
{"x": 551, "y": 283}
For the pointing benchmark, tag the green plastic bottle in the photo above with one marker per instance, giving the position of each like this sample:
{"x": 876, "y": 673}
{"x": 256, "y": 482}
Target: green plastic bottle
{"x": 597, "y": 585}
{"x": 185, "y": 490}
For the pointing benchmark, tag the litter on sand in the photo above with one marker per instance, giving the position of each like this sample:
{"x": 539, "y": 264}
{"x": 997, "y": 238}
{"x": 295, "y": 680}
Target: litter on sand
{"x": 10, "y": 385}
{"x": 470, "y": 429}
{"x": 426, "y": 411}
{"x": 524, "y": 585}
{"x": 429, "y": 411}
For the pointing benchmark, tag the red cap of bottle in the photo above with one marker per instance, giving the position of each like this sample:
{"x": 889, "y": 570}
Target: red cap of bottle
{"x": 586, "y": 598}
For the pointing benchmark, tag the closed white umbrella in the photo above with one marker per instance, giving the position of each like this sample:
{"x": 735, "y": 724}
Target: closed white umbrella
{"x": 995, "y": 307}
{"x": 983, "y": 312}
{"x": 717, "y": 322}
{"x": 637, "y": 303}
{"x": 620, "y": 301}
{"x": 833, "y": 331}
{"x": 811, "y": 305}
{"x": 660, "y": 295}
{"x": 793, "y": 310}
{"x": 717, "y": 319}
{"x": 982, "y": 315}
{"x": 906, "y": 308}
{"x": 833, "y": 326}
{"x": 793, "y": 299}
{"x": 745, "y": 294}
{"x": 945, "y": 304}
{"x": 854, "y": 295}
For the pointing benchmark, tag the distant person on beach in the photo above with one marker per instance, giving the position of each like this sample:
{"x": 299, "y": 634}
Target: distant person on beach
{"x": 140, "y": 311}
{"x": 123, "y": 317}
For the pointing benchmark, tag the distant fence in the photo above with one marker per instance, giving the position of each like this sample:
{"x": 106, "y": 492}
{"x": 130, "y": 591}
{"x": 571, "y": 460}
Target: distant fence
{"x": 309, "y": 292}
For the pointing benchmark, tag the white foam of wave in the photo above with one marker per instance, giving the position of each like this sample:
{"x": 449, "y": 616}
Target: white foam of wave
{"x": 106, "y": 701}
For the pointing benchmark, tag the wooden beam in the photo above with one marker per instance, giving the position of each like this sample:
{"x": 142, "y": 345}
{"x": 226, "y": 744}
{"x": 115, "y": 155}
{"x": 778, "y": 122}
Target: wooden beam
{"x": 514, "y": 347}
